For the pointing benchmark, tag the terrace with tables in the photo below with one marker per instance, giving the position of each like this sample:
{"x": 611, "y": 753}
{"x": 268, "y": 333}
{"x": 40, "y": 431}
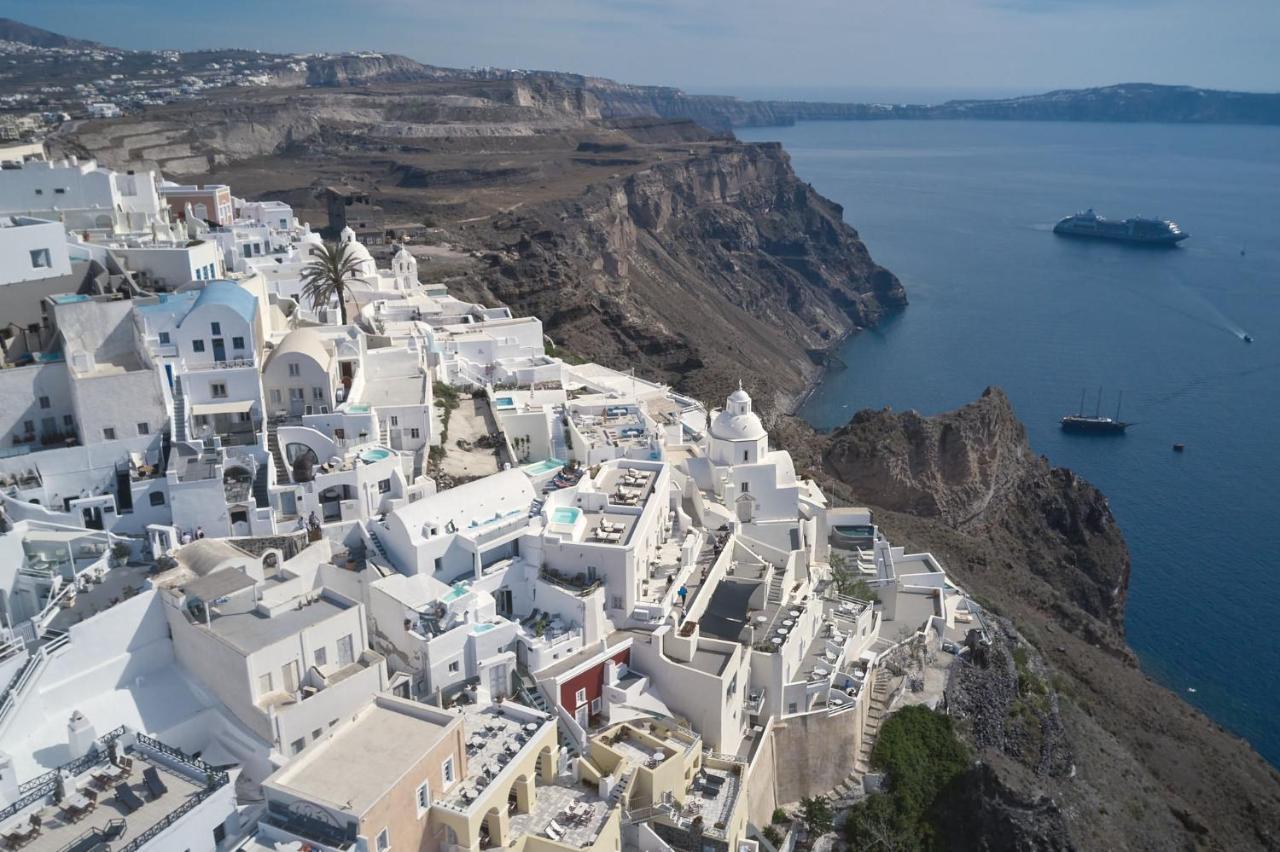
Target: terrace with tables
{"x": 128, "y": 789}
{"x": 565, "y": 812}
{"x": 494, "y": 739}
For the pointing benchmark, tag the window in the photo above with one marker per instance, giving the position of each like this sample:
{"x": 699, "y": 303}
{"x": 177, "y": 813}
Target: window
{"x": 446, "y": 771}
{"x": 40, "y": 259}
{"x": 275, "y": 396}
{"x": 248, "y": 250}
{"x": 197, "y": 346}
{"x": 294, "y": 369}
{"x": 414, "y": 434}
{"x": 157, "y": 498}
{"x": 744, "y": 455}
{"x": 395, "y": 421}
{"x": 39, "y": 192}
{"x": 44, "y": 402}
{"x": 580, "y": 697}
{"x": 595, "y": 706}
{"x": 164, "y": 337}
{"x": 424, "y": 798}
{"x": 296, "y": 394}
{"x": 346, "y": 651}
{"x": 453, "y": 667}
{"x": 316, "y": 734}
{"x": 384, "y": 485}
{"x": 322, "y": 656}
{"x": 317, "y": 393}
{"x": 264, "y": 683}
{"x": 68, "y": 421}
{"x": 144, "y": 428}
{"x": 217, "y": 390}
{"x": 60, "y": 190}
{"x": 216, "y": 328}
{"x": 237, "y": 343}
{"x": 29, "y": 426}
{"x": 384, "y": 841}
{"x": 109, "y": 434}
{"x": 298, "y": 745}
{"x": 746, "y": 488}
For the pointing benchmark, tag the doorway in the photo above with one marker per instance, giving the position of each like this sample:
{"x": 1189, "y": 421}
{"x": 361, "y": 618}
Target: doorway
{"x": 219, "y": 349}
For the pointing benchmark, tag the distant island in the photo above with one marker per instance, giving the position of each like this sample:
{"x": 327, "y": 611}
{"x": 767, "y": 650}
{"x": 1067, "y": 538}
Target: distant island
{"x": 1124, "y": 102}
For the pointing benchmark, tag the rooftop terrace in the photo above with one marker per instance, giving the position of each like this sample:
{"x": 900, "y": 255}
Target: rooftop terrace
{"x": 108, "y": 799}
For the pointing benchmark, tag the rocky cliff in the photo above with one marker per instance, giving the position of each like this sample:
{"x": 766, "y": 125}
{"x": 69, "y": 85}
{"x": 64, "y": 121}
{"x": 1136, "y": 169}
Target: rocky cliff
{"x": 973, "y": 471}
{"x": 1079, "y": 748}
{"x": 698, "y": 271}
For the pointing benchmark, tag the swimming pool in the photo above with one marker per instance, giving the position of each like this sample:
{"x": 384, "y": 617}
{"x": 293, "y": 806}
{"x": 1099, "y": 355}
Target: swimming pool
{"x": 374, "y": 455}
{"x": 544, "y": 466}
{"x": 503, "y": 402}
{"x": 567, "y": 515}
{"x": 481, "y": 628}
{"x": 459, "y": 589}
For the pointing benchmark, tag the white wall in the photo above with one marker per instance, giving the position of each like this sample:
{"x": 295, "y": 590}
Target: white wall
{"x": 18, "y": 241}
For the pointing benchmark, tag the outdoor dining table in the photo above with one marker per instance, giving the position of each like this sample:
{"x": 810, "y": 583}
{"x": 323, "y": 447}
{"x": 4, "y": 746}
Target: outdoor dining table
{"x": 18, "y": 831}
{"x": 532, "y": 727}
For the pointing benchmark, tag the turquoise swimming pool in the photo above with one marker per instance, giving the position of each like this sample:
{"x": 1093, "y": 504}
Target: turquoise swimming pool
{"x": 504, "y": 402}
{"x": 459, "y": 589}
{"x": 481, "y": 628}
{"x": 544, "y": 466}
{"x": 567, "y": 515}
{"x": 374, "y": 455}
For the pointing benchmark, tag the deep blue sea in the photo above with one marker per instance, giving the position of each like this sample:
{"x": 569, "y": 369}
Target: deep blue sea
{"x": 962, "y": 212}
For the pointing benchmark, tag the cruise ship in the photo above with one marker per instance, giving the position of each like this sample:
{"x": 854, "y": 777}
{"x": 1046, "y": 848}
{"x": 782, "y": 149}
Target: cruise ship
{"x": 1159, "y": 232}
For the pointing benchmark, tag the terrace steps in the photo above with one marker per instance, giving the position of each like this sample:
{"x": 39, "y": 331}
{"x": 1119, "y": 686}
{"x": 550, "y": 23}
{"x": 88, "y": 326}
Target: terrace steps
{"x": 277, "y": 458}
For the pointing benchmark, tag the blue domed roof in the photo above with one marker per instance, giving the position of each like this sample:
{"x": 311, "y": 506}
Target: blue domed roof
{"x": 228, "y": 294}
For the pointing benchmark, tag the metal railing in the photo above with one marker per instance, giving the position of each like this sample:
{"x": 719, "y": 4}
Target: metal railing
{"x": 26, "y": 674}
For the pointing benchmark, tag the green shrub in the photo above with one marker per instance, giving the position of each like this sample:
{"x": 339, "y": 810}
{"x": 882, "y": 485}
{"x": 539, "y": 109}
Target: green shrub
{"x": 772, "y": 835}
{"x": 920, "y": 754}
{"x": 779, "y": 817}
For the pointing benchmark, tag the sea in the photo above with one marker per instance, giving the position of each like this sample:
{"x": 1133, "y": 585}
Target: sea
{"x": 963, "y": 213}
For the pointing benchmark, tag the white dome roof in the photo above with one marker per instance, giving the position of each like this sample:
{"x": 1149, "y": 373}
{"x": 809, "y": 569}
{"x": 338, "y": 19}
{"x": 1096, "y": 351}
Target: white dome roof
{"x": 737, "y": 427}
{"x": 347, "y": 235}
{"x": 740, "y": 395}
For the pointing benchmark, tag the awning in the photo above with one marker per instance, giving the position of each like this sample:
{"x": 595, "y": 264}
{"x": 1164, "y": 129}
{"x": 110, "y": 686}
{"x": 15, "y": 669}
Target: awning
{"x": 222, "y": 407}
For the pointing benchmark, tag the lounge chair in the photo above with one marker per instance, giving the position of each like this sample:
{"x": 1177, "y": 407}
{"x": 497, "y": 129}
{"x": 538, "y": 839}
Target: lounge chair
{"x": 127, "y": 798}
{"x": 155, "y": 786}
{"x": 554, "y": 831}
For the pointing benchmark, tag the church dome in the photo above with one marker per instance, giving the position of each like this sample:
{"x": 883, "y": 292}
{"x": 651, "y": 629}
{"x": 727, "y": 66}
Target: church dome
{"x": 737, "y": 427}
{"x": 347, "y": 235}
{"x": 738, "y": 422}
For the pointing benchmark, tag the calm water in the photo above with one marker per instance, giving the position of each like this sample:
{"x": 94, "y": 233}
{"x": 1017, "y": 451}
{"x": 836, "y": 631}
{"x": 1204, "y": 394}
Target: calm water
{"x": 962, "y": 212}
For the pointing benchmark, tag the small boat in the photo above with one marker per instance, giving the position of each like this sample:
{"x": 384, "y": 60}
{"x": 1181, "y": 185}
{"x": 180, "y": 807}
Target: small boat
{"x": 1177, "y": 448}
{"x": 1248, "y": 338}
{"x": 1096, "y": 423}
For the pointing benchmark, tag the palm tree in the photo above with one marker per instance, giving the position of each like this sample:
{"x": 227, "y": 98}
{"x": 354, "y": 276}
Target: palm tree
{"x": 328, "y": 275}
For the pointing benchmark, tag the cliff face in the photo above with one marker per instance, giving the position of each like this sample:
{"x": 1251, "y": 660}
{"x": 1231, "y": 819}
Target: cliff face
{"x": 1079, "y": 749}
{"x": 973, "y": 470}
{"x": 699, "y": 271}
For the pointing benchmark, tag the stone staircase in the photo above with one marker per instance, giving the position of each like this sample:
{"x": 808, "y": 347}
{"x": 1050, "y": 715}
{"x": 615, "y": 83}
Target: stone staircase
{"x": 179, "y": 411}
{"x": 876, "y": 712}
{"x": 531, "y": 695}
{"x": 379, "y": 548}
{"x": 277, "y": 458}
{"x": 776, "y": 586}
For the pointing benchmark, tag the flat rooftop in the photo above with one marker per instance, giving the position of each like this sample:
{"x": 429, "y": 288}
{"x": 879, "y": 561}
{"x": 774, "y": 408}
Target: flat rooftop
{"x": 250, "y": 631}
{"x": 363, "y": 759}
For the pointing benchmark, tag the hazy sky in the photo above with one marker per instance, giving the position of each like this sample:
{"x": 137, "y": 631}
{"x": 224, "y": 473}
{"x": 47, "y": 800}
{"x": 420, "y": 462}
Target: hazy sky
{"x": 1027, "y": 45}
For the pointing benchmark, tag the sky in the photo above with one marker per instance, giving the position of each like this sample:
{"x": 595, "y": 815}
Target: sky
{"x": 737, "y": 46}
